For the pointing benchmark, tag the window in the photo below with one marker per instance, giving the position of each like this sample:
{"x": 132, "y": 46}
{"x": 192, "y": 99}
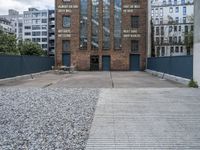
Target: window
{"x": 44, "y": 27}
{"x": 171, "y": 9}
{"x": 44, "y": 33}
{"x": 44, "y": 14}
{"x": 170, "y": 40}
{"x": 20, "y": 24}
{"x": 27, "y": 33}
{"x": 66, "y": 21}
{"x": 135, "y": 46}
{"x": 162, "y": 30}
{"x": 161, "y": 12}
{"x": 175, "y": 28}
{"x": 184, "y": 19}
{"x": 158, "y": 51}
{"x": 95, "y": 26}
{"x": 177, "y": 19}
{"x": 44, "y": 39}
{"x": 177, "y": 49}
{"x": 170, "y": 29}
{"x": 83, "y": 23}
{"x": 36, "y": 34}
{"x": 192, "y": 28}
{"x": 44, "y": 20}
{"x": 106, "y": 24}
{"x": 184, "y": 10}
{"x": 180, "y": 28}
{"x": 163, "y": 51}
{"x": 44, "y": 46}
{"x": 27, "y": 21}
{"x": 152, "y": 12}
{"x": 135, "y": 21}
{"x": 157, "y": 40}
{"x": 172, "y": 50}
{"x": 181, "y": 49}
{"x": 161, "y": 20}
{"x": 36, "y": 40}
{"x": 36, "y": 21}
{"x": 162, "y": 40}
{"x": 177, "y": 9}
{"x": 179, "y": 39}
{"x": 175, "y": 40}
{"x": 157, "y": 30}
{"x": 186, "y": 29}
{"x": 117, "y": 23}
{"x": 36, "y": 27}
{"x": 66, "y": 45}
{"x": 36, "y": 14}
{"x": 27, "y": 27}
{"x": 136, "y": 2}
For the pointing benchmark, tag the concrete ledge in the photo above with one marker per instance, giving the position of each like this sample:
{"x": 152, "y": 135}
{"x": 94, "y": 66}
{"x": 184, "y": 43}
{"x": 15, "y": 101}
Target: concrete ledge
{"x": 169, "y": 77}
{"x": 23, "y": 77}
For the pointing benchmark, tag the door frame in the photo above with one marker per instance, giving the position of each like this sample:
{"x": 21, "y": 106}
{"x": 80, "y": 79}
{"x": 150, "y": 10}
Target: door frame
{"x": 130, "y": 65}
{"x": 66, "y": 53}
{"x": 108, "y": 56}
{"x": 96, "y": 66}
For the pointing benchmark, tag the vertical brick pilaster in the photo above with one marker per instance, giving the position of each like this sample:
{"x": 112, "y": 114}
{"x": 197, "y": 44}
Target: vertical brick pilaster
{"x": 100, "y": 33}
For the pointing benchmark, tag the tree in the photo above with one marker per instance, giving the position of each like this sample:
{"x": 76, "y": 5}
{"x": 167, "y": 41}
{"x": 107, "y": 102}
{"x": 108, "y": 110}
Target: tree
{"x": 8, "y": 44}
{"x": 30, "y": 48}
{"x": 189, "y": 41}
{"x": 189, "y": 37}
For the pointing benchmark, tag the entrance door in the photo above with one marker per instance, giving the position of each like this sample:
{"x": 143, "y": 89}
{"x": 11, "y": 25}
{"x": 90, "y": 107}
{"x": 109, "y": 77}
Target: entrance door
{"x": 94, "y": 63}
{"x": 106, "y": 63}
{"x": 134, "y": 62}
{"x": 66, "y": 59}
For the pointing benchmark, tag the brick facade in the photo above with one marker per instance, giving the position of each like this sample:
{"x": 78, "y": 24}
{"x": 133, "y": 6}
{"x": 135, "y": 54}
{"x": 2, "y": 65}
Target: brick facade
{"x": 119, "y": 58}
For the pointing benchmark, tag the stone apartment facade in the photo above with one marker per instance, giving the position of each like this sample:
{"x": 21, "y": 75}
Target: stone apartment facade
{"x": 172, "y": 20}
{"x": 102, "y": 34}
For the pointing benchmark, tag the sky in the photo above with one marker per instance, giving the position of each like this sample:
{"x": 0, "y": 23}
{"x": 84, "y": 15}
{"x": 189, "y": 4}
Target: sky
{"x": 23, "y": 5}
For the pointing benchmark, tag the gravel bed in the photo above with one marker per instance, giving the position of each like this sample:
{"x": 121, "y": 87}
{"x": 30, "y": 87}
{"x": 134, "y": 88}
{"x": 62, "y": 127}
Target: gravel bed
{"x": 46, "y": 119}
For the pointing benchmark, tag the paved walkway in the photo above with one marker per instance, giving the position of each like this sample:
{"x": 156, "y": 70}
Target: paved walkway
{"x": 146, "y": 118}
{"x": 94, "y": 80}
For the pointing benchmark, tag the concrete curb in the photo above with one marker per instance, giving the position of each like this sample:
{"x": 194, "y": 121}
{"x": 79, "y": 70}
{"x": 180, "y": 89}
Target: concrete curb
{"x": 23, "y": 77}
{"x": 169, "y": 77}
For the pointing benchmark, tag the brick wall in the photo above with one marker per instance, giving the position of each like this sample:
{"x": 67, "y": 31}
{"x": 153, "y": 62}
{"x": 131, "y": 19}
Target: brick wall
{"x": 119, "y": 58}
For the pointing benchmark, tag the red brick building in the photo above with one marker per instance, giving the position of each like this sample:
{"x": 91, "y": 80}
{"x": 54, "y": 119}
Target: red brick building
{"x": 102, "y": 34}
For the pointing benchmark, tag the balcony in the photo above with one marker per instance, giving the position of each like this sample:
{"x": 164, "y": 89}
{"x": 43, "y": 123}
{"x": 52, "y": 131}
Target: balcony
{"x": 52, "y": 16}
{"x": 52, "y": 22}
{"x": 52, "y": 30}
{"x": 52, "y": 37}
{"x": 51, "y": 45}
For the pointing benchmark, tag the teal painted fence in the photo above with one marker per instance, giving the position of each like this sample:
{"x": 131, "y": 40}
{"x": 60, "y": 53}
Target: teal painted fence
{"x": 181, "y": 66}
{"x": 11, "y": 66}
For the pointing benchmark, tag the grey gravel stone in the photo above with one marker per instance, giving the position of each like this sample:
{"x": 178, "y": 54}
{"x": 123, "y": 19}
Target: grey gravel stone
{"x": 46, "y": 119}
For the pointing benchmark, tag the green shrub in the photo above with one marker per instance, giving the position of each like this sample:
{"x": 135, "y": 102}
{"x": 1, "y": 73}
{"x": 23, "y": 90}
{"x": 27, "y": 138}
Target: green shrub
{"x": 193, "y": 84}
{"x": 30, "y": 49}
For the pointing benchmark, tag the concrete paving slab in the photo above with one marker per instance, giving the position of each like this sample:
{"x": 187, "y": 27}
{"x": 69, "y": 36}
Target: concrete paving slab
{"x": 94, "y": 80}
{"x": 146, "y": 118}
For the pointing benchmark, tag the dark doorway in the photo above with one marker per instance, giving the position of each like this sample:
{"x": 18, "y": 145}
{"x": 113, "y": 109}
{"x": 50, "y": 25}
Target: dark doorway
{"x": 135, "y": 62}
{"x": 94, "y": 63}
{"x": 66, "y": 59}
{"x": 106, "y": 63}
